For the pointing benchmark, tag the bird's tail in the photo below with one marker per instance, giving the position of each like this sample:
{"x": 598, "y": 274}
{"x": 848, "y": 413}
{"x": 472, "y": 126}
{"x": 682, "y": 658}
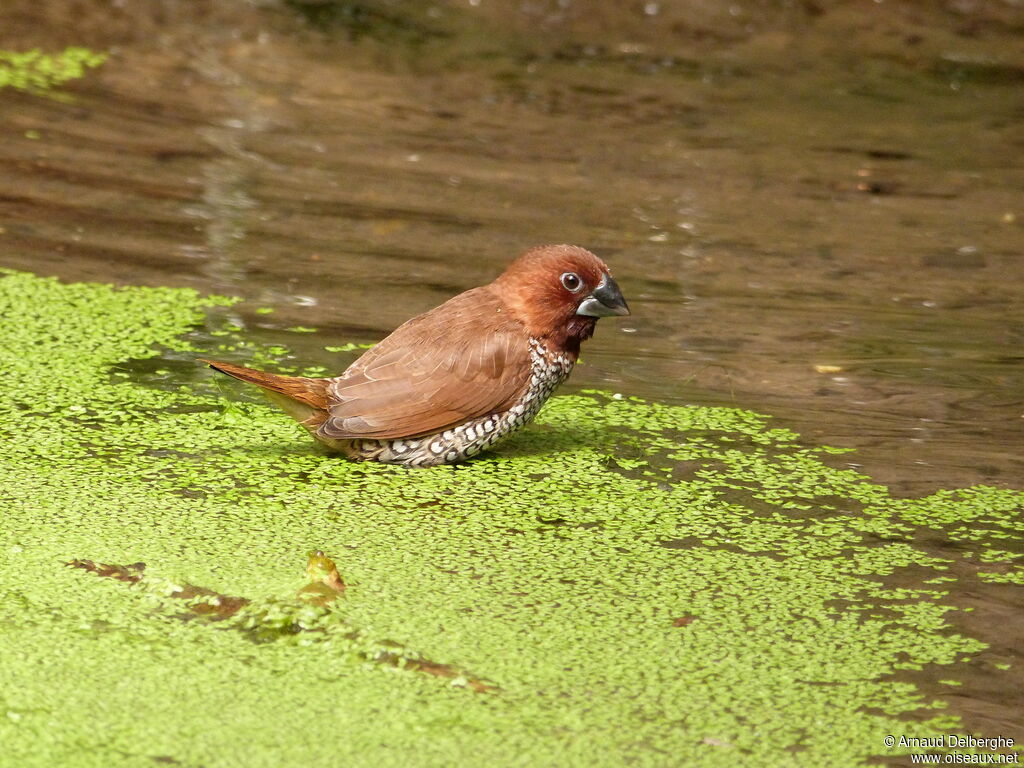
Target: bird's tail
{"x": 300, "y": 397}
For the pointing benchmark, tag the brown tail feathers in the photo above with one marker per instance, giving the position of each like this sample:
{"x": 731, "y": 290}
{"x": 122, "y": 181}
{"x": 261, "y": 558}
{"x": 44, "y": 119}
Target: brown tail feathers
{"x": 300, "y": 397}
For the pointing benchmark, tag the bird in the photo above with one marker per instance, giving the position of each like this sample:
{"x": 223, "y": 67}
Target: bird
{"x": 452, "y": 382}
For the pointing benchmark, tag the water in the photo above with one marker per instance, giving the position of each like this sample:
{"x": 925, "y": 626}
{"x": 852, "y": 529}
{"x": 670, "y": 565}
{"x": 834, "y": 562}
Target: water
{"x": 814, "y": 213}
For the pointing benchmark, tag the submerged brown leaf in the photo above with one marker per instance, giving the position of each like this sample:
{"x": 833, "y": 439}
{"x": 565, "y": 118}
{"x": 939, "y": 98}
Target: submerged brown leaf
{"x": 130, "y": 574}
{"x": 324, "y": 588}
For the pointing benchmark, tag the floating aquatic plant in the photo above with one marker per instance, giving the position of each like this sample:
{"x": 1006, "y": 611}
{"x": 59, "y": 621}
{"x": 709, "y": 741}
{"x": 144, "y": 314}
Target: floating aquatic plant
{"x": 639, "y": 583}
{"x": 37, "y": 71}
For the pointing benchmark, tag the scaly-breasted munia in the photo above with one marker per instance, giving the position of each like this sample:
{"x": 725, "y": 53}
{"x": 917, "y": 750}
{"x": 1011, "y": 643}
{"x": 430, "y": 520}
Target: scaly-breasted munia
{"x": 453, "y": 381}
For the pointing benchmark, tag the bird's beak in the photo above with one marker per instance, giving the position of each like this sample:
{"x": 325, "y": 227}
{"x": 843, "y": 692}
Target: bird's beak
{"x": 605, "y": 300}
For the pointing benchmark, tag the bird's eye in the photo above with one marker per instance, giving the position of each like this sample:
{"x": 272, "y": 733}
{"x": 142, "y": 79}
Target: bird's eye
{"x": 571, "y": 282}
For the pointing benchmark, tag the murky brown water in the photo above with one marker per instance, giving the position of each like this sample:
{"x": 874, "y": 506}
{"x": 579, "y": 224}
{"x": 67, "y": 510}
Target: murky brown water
{"x": 778, "y": 186}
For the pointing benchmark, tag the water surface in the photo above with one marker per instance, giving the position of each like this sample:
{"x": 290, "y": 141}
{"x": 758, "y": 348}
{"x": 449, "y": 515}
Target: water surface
{"x": 814, "y": 211}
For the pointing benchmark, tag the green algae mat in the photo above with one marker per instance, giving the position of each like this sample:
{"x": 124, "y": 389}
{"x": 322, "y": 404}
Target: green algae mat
{"x": 624, "y": 583}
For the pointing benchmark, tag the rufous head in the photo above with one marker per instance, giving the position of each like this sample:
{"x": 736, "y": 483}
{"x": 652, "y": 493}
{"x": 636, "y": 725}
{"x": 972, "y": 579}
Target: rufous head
{"x": 558, "y": 292}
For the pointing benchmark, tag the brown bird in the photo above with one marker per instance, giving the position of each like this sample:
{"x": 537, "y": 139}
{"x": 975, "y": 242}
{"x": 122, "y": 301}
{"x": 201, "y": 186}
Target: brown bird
{"x": 453, "y": 381}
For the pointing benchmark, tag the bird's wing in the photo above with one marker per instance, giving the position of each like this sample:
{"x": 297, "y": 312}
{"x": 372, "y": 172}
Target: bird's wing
{"x": 465, "y": 359}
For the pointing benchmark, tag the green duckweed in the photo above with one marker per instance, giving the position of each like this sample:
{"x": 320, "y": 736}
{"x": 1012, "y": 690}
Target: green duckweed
{"x": 635, "y": 583}
{"x": 37, "y": 71}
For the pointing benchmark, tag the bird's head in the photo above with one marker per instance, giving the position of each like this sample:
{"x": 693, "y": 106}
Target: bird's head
{"x": 558, "y": 292}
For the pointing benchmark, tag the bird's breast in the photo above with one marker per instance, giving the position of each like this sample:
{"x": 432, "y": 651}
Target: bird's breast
{"x": 548, "y": 370}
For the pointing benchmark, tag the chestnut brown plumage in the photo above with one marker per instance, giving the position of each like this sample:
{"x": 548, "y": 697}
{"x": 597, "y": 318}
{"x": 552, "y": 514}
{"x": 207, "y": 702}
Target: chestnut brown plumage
{"x": 453, "y": 381}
